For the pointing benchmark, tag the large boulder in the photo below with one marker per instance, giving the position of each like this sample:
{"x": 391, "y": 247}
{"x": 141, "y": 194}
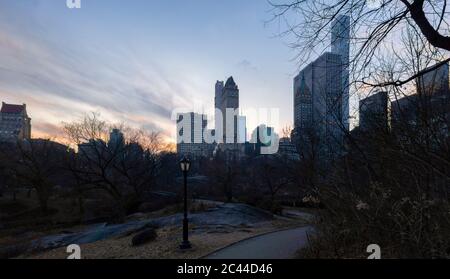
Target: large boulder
{"x": 144, "y": 237}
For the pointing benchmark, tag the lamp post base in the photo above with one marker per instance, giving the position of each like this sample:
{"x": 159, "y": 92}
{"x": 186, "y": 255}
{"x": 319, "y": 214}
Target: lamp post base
{"x": 185, "y": 245}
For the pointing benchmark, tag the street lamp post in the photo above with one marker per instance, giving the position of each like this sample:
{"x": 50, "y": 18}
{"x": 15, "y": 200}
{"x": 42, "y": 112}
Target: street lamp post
{"x": 185, "y": 165}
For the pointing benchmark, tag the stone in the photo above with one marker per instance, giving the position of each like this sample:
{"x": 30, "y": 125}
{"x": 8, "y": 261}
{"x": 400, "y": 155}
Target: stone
{"x": 144, "y": 237}
{"x": 136, "y": 216}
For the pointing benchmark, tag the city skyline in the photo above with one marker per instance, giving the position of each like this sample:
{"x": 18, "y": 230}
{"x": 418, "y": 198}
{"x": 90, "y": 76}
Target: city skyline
{"x": 226, "y": 130}
{"x": 59, "y": 60}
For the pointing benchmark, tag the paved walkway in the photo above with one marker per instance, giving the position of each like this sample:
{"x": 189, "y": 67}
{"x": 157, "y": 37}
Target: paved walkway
{"x": 277, "y": 245}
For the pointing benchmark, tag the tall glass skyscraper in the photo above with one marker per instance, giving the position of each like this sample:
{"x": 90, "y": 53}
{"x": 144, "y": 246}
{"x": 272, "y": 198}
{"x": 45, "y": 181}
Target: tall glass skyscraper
{"x": 318, "y": 107}
{"x": 321, "y": 97}
{"x": 340, "y": 44}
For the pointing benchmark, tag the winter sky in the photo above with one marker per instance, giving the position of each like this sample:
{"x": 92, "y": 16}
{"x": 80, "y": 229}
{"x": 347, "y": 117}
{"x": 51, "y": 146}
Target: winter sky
{"x": 134, "y": 61}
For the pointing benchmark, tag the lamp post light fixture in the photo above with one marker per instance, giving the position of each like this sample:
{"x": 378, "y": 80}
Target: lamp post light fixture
{"x": 185, "y": 165}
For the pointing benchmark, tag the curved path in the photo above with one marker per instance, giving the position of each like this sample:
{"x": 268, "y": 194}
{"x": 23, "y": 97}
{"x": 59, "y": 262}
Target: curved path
{"x": 276, "y": 245}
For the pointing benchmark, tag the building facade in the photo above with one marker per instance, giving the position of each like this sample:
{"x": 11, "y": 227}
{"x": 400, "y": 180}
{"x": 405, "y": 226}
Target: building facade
{"x": 15, "y": 124}
{"x": 428, "y": 111}
{"x": 318, "y": 113}
{"x": 340, "y": 44}
{"x": 373, "y": 112}
{"x": 229, "y": 100}
{"x": 431, "y": 99}
{"x": 116, "y": 139}
{"x": 218, "y": 104}
{"x": 288, "y": 150}
{"x": 232, "y": 124}
{"x": 93, "y": 150}
{"x": 434, "y": 82}
{"x": 229, "y": 135}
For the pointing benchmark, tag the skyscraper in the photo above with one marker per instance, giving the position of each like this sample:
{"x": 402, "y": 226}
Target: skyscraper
{"x": 434, "y": 82}
{"x": 318, "y": 106}
{"x": 340, "y": 44}
{"x": 229, "y": 135}
{"x": 230, "y": 100}
{"x": 233, "y": 125}
{"x": 218, "y": 103}
{"x": 116, "y": 139}
{"x": 227, "y": 97}
{"x": 373, "y": 112}
{"x": 431, "y": 103}
{"x": 302, "y": 101}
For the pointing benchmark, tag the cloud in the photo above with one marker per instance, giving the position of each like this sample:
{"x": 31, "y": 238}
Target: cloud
{"x": 247, "y": 65}
{"x": 43, "y": 130}
{"x": 60, "y": 83}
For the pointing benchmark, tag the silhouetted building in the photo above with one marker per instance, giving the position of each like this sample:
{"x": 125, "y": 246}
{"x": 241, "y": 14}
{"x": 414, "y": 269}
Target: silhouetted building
{"x": 318, "y": 117}
{"x": 233, "y": 125}
{"x": 410, "y": 108}
{"x": 288, "y": 150}
{"x": 116, "y": 139}
{"x": 340, "y": 44}
{"x": 93, "y": 150}
{"x": 434, "y": 82}
{"x": 421, "y": 116}
{"x": 373, "y": 112}
{"x": 431, "y": 103}
{"x": 15, "y": 125}
{"x": 134, "y": 151}
{"x": 218, "y": 104}
{"x": 228, "y": 98}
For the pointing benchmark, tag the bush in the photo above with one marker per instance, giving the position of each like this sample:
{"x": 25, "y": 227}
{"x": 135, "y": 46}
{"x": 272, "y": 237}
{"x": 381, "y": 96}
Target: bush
{"x": 404, "y": 226}
{"x": 13, "y": 251}
{"x": 264, "y": 203}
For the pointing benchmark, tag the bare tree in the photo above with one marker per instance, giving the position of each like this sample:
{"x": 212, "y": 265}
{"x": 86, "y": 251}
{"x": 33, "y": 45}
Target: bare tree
{"x": 124, "y": 168}
{"x": 286, "y": 132}
{"x": 140, "y": 162}
{"x": 8, "y": 179}
{"x": 272, "y": 174}
{"x": 37, "y": 164}
{"x": 373, "y": 25}
{"x": 225, "y": 173}
{"x": 391, "y": 187}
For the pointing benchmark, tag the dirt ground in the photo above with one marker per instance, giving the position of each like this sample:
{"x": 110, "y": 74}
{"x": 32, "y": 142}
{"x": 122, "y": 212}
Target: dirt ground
{"x": 166, "y": 244}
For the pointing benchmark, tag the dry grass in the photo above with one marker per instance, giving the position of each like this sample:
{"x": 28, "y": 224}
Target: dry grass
{"x": 166, "y": 244}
